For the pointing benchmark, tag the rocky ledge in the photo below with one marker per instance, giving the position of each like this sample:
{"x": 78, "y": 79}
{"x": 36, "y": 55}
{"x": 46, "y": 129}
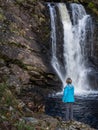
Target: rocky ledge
{"x": 44, "y": 122}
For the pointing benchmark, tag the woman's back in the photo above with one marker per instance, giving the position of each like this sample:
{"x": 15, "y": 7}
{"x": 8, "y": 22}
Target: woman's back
{"x": 68, "y": 95}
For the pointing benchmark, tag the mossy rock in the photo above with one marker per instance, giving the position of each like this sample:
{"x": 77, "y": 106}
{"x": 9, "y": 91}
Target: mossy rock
{"x": 17, "y": 30}
{"x": 91, "y": 5}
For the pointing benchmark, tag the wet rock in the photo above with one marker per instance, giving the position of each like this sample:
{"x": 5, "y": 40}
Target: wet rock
{"x": 30, "y": 120}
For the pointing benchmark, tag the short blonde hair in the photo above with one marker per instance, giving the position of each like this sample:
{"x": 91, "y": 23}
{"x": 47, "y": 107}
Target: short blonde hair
{"x": 68, "y": 80}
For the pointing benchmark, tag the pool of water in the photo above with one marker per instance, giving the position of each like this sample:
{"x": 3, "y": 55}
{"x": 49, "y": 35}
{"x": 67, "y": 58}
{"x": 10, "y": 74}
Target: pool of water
{"x": 85, "y": 109}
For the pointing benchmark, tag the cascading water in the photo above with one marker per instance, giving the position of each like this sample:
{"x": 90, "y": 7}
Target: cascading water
{"x": 74, "y": 46}
{"x": 80, "y": 23}
{"x": 55, "y": 61}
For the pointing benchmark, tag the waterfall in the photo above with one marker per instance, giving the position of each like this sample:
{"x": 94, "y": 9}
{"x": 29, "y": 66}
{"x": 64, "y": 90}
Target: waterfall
{"x": 75, "y": 52}
{"x": 80, "y": 23}
{"x": 55, "y": 62}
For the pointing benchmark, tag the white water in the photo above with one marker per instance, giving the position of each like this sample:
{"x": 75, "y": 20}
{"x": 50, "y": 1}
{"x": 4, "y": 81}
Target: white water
{"x": 73, "y": 46}
{"x": 54, "y": 61}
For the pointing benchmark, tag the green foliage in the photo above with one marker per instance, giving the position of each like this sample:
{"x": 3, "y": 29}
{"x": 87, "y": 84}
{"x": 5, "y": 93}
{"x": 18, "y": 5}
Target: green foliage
{"x": 76, "y": 1}
{"x": 20, "y": 63}
{"x": 13, "y": 61}
{"x": 28, "y": 127}
{"x": 16, "y": 44}
{"x": 21, "y": 125}
{"x": 8, "y": 97}
{"x": 3, "y": 86}
{"x": 1, "y": 17}
{"x": 14, "y": 28}
{"x": 91, "y": 5}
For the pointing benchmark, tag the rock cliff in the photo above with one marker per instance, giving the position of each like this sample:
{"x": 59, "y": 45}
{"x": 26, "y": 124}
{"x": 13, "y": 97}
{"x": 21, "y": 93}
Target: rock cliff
{"x": 25, "y": 50}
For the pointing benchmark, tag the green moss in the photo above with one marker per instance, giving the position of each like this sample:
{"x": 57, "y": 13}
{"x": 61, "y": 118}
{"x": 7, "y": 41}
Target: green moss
{"x": 21, "y": 64}
{"x": 2, "y": 17}
{"x": 76, "y": 1}
{"x": 19, "y": 45}
{"x": 34, "y": 68}
{"x": 6, "y": 95}
{"x": 21, "y": 125}
{"x": 13, "y": 61}
{"x": 41, "y": 19}
{"x": 91, "y": 5}
{"x": 3, "y": 86}
{"x": 14, "y": 28}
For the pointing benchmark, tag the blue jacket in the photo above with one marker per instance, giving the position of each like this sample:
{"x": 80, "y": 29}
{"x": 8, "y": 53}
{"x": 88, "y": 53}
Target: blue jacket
{"x": 68, "y": 95}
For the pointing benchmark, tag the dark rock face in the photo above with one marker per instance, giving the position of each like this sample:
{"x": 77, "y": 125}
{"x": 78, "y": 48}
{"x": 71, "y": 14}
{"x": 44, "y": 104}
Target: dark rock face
{"x": 25, "y": 52}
